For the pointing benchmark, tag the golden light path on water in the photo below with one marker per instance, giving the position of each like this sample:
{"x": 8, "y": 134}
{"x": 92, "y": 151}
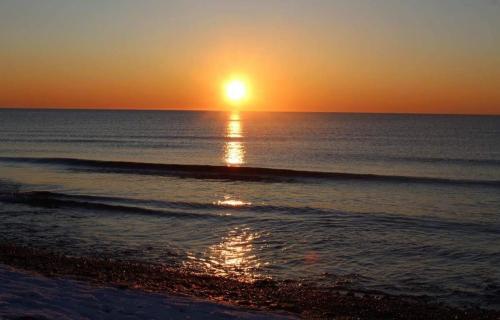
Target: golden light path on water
{"x": 234, "y": 256}
{"x": 229, "y": 202}
{"x": 234, "y": 150}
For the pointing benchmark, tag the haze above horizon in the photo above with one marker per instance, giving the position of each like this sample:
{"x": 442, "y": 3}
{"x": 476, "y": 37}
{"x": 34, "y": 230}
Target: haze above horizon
{"x": 386, "y": 56}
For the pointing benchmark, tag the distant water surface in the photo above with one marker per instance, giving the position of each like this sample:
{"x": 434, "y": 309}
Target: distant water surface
{"x": 405, "y": 204}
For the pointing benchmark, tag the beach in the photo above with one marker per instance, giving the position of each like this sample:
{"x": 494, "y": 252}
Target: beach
{"x": 32, "y": 296}
{"x": 136, "y": 291}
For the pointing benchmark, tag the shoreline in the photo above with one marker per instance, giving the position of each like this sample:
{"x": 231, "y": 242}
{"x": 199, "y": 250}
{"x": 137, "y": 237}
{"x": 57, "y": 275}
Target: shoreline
{"x": 27, "y": 295}
{"x": 263, "y": 295}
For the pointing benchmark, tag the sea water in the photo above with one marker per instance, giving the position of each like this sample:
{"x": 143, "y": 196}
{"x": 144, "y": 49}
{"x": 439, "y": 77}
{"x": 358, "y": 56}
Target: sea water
{"x": 403, "y": 204}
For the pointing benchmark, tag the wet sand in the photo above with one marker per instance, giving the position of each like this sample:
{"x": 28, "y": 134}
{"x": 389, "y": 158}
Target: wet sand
{"x": 301, "y": 299}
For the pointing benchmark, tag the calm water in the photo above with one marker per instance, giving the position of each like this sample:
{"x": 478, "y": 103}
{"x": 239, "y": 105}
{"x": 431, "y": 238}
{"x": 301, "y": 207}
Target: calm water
{"x": 398, "y": 203}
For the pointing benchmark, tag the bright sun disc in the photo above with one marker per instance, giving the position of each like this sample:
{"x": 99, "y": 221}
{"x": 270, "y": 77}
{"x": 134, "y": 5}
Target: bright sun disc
{"x": 236, "y": 91}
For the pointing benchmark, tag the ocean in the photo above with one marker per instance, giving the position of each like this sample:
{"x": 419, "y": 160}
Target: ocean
{"x": 401, "y": 204}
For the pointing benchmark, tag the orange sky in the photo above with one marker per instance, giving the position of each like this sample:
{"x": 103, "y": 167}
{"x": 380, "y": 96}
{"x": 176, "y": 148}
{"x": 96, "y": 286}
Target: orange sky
{"x": 337, "y": 56}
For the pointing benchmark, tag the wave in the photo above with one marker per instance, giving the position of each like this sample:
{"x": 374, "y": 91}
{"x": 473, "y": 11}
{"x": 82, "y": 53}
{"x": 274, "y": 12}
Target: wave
{"x": 192, "y": 210}
{"x": 80, "y": 140}
{"x": 146, "y": 206}
{"x": 235, "y": 173}
{"x": 47, "y": 138}
{"x": 47, "y": 199}
{"x": 480, "y": 162}
{"x": 416, "y": 159}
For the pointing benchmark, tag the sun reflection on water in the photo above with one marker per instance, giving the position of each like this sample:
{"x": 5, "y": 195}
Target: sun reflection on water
{"x": 234, "y": 128}
{"x": 234, "y": 256}
{"x": 228, "y": 202}
{"x": 234, "y": 150}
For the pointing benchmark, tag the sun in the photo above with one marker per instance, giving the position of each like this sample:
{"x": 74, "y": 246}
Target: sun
{"x": 236, "y": 91}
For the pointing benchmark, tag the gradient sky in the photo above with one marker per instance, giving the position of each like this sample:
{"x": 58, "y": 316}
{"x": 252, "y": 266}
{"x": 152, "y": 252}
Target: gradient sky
{"x": 430, "y": 56}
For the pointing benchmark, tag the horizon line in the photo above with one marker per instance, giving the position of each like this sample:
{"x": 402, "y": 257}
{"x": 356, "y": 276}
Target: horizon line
{"x": 83, "y": 108}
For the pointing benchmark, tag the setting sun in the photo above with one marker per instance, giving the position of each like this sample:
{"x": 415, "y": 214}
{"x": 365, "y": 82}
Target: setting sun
{"x": 236, "y": 91}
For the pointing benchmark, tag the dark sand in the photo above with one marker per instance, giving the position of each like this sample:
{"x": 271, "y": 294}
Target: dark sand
{"x": 306, "y": 300}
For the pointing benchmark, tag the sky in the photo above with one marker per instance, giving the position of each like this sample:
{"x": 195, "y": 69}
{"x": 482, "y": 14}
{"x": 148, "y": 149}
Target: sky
{"x": 413, "y": 56}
